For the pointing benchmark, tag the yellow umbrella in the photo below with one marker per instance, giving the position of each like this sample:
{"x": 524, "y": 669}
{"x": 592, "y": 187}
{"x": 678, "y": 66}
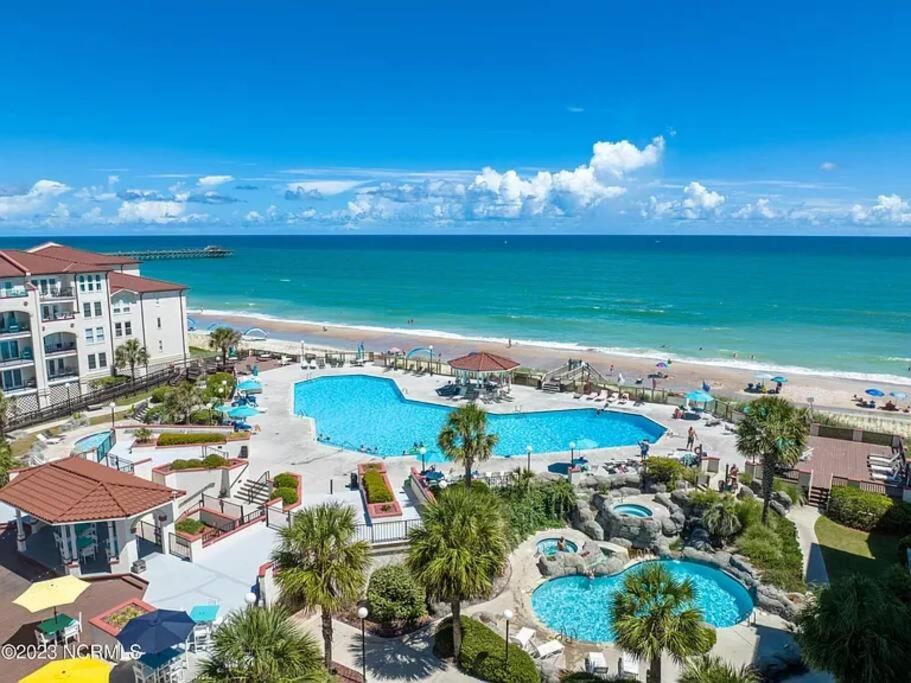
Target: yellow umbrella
{"x": 43, "y": 595}
{"x": 82, "y": 670}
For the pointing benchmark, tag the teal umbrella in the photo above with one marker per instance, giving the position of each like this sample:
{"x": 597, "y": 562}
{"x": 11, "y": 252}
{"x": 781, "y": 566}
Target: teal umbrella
{"x": 780, "y": 379}
{"x": 699, "y": 396}
{"x": 241, "y": 412}
{"x": 249, "y": 385}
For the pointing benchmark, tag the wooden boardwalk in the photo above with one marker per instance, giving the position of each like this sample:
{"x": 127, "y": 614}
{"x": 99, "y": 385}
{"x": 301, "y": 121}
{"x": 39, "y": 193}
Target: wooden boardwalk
{"x": 211, "y": 251}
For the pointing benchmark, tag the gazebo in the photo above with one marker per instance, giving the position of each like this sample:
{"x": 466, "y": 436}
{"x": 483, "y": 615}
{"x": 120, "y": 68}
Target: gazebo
{"x": 481, "y": 365}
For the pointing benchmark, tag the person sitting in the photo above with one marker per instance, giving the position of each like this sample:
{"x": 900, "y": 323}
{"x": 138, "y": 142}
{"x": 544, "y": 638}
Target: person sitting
{"x": 561, "y": 544}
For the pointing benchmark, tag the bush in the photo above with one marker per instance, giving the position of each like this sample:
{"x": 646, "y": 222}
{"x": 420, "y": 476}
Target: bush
{"x": 107, "y": 382}
{"x": 482, "y": 654}
{"x": 664, "y": 470}
{"x": 189, "y": 526}
{"x": 156, "y": 413}
{"x": 160, "y": 394}
{"x": 143, "y": 435}
{"x": 393, "y": 595}
{"x": 284, "y": 480}
{"x": 774, "y": 549}
{"x": 866, "y": 511}
{"x": 286, "y": 493}
{"x": 203, "y": 416}
{"x": 178, "y": 439}
{"x": 530, "y": 506}
{"x": 209, "y": 462}
{"x": 376, "y": 488}
{"x": 704, "y": 498}
{"x": 213, "y": 384}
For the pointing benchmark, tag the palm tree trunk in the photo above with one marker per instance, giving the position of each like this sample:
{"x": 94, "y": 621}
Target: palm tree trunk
{"x": 654, "y": 670}
{"x": 768, "y": 475}
{"x": 456, "y": 628}
{"x": 468, "y": 466}
{"x": 327, "y": 638}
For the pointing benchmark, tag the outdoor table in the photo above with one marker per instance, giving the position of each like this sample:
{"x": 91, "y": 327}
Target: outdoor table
{"x": 84, "y": 542}
{"x": 433, "y": 476}
{"x": 161, "y": 663}
{"x": 52, "y": 626}
{"x": 204, "y": 614}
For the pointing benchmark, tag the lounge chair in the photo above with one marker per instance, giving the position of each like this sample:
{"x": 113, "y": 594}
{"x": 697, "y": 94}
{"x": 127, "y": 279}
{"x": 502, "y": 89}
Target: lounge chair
{"x": 876, "y": 458}
{"x": 596, "y": 664}
{"x": 629, "y": 666}
{"x": 551, "y": 648}
{"x": 48, "y": 440}
{"x": 885, "y": 469}
{"x": 524, "y": 637}
{"x": 892, "y": 477}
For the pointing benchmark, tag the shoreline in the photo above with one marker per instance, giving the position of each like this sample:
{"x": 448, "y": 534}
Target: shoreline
{"x": 829, "y": 391}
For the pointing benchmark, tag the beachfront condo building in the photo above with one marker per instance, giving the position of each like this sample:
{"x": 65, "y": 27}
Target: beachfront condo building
{"x": 64, "y": 312}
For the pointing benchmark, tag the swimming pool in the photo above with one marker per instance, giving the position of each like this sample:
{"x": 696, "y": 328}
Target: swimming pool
{"x": 580, "y": 607}
{"x": 632, "y": 510}
{"x": 90, "y": 443}
{"x": 548, "y": 546}
{"x": 357, "y": 410}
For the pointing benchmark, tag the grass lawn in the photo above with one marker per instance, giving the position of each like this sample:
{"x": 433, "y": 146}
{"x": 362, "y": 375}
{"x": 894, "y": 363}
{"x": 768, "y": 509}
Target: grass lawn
{"x": 849, "y": 551}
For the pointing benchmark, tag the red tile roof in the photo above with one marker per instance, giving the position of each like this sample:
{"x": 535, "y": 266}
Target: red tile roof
{"x": 27, "y": 263}
{"x": 77, "y": 490}
{"x": 66, "y": 253}
{"x": 141, "y": 285}
{"x": 483, "y": 362}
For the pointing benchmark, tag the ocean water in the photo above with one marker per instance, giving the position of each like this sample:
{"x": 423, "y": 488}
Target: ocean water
{"x": 830, "y": 304}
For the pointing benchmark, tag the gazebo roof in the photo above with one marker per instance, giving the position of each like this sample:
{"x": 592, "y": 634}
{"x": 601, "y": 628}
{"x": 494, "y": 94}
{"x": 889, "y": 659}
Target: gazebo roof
{"x": 77, "y": 490}
{"x": 481, "y": 361}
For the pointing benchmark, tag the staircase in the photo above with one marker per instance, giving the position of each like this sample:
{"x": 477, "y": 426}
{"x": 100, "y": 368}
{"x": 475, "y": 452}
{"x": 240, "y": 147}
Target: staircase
{"x": 570, "y": 372}
{"x": 255, "y": 491}
{"x": 818, "y": 497}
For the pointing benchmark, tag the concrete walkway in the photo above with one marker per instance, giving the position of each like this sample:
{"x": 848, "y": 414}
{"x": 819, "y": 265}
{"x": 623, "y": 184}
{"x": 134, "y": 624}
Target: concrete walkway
{"x": 814, "y": 568}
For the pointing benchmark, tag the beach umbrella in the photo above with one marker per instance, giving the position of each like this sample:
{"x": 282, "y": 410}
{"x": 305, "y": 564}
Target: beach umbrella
{"x": 780, "y": 379}
{"x": 241, "y": 412}
{"x": 156, "y": 631}
{"x": 662, "y": 364}
{"x": 222, "y": 408}
{"x": 699, "y": 396}
{"x": 764, "y": 375}
{"x": 249, "y": 385}
{"x": 395, "y": 351}
{"x": 898, "y": 394}
{"x": 874, "y": 392}
{"x": 55, "y": 593}
{"x": 80, "y": 670}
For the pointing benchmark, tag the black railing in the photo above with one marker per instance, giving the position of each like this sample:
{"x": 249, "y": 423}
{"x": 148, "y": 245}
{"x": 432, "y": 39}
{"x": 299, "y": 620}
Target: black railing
{"x": 225, "y": 507}
{"x": 277, "y": 519}
{"x": 58, "y": 293}
{"x": 179, "y": 546}
{"x": 386, "y": 532}
{"x": 59, "y": 348}
{"x": 148, "y": 532}
{"x": 220, "y": 527}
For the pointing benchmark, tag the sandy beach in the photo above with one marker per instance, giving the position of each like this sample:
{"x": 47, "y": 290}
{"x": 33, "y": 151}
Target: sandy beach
{"x": 828, "y": 392}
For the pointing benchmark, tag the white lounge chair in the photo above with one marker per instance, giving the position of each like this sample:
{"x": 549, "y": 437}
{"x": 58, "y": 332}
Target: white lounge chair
{"x": 881, "y": 468}
{"x": 882, "y": 459}
{"x": 524, "y": 637}
{"x": 48, "y": 440}
{"x": 596, "y": 664}
{"x": 629, "y": 666}
{"x": 891, "y": 478}
{"x": 549, "y": 649}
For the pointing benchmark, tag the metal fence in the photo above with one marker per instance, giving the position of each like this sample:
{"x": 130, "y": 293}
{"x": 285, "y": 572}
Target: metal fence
{"x": 179, "y": 546}
{"x": 386, "y": 532}
{"x": 277, "y": 519}
{"x": 225, "y": 507}
{"x": 149, "y": 532}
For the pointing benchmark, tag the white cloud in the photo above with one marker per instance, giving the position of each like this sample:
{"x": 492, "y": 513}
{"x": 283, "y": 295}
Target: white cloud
{"x": 575, "y": 110}
{"x": 889, "y": 209}
{"x": 155, "y": 211}
{"x": 24, "y": 203}
{"x": 698, "y": 202}
{"x": 323, "y": 187}
{"x": 828, "y": 166}
{"x": 212, "y": 181}
{"x": 619, "y": 158}
{"x": 760, "y": 209}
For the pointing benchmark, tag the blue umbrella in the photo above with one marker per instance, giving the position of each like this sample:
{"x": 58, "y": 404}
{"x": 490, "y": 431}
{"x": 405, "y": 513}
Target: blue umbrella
{"x": 241, "y": 412}
{"x": 898, "y": 394}
{"x": 222, "y": 408}
{"x": 249, "y": 385}
{"x": 699, "y": 396}
{"x": 156, "y": 631}
{"x": 874, "y": 392}
{"x": 779, "y": 379}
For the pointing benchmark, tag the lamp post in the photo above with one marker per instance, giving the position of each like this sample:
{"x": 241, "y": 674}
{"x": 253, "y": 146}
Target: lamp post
{"x": 68, "y": 385}
{"x": 362, "y": 615}
{"x": 528, "y": 450}
{"x": 423, "y": 452}
{"x": 250, "y": 599}
{"x": 572, "y": 454}
{"x": 431, "y": 359}
{"x": 112, "y": 405}
{"x": 507, "y": 614}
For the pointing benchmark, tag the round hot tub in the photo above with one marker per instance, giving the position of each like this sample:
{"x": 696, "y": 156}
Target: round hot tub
{"x": 632, "y": 510}
{"x": 551, "y": 546}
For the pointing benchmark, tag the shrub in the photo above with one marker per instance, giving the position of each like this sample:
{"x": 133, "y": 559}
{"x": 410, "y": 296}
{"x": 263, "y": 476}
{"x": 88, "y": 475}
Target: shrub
{"x": 703, "y": 498}
{"x": 203, "y": 416}
{"x": 143, "y": 435}
{"x": 393, "y": 595}
{"x": 774, "y": 549}
{"x": 482, "y": 654}
{"x": 156, "y": 413}
{"x": 859, "y": 509}
{"x": 112, "y": 381}
{"x": 664, "y": 470}
{"x": 160, "y": 394}
{"x": 209, "y": 462}
{"x": 284, "y": 480}
{"x": 288, "y": 494}
{"x": 530, "y": 506}
{"x": 178, "y": 439}
{"x": 376, "y": 488}
{"x": 213, "y": 384}
{"x": 190, "y": 526}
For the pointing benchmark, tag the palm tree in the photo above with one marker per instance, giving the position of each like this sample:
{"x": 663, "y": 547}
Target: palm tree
{"x": 654, "y": 614}
{"x": 321, "y": 565}
{"x": 183, "y": 401}
{"x": 6, "y": 405}
{"x": 262, "y": 645}
{"x": 774, "y": 431}
{"x": 224, "y": 339}
{"x": 8, "y": 461}
{"x": 708, "y": 669}
{"x": 721, "y": 519}
{"x": 464, "y": 438}
{"x": 856, "y": 630}
{"x": 130, "y": 354}
{"x": 459, "y": 550}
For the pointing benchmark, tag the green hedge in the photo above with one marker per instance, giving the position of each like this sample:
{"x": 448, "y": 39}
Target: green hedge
{"x": 376, "y": 488}
{"x": 160, "y": 394}
{"x": 203, "y": 416}
{"x": 482, "y": 654}
{"x": 774, "y": 549}
{"x": 189, "y": 526}
{"x": 210, "y": 462}
{"x": 288, "y": 494}
{"x": 112, "y": 381}
{"x": 664, "y": 470}
{"x": 284, "y": 480}
{"x": 867, "y": 511}
{"x": 178, "y": 439}
{"x": 393, "y": 595}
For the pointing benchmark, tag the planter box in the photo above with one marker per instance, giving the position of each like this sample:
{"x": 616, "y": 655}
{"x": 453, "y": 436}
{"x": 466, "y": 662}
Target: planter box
{"x": 275, "y": 503}
{"x": 104, "y": 633}
{"x": 378, "y": 510}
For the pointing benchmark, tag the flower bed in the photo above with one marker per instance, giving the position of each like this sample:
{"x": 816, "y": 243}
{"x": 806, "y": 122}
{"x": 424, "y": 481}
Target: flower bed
{"x": 198, "y": 438}
{"x": 376, "y": 490}
{"x": 112, "y": 621}
{"x": 287, "y": 487}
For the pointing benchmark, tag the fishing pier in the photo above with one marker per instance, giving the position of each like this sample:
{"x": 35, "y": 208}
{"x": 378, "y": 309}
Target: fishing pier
{"x": 210, "y": 251}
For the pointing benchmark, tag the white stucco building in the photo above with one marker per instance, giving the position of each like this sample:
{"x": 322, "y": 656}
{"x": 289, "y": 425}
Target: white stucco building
{"x": 64, "y": 311}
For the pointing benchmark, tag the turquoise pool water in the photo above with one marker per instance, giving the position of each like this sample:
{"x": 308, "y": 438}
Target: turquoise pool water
{"x": 579, "y": 606}
{"x": 548, "y": 546}
{"x": 90, "y": 443}
{"x": 357, "y": 410}
{"x": 632, "y": 510}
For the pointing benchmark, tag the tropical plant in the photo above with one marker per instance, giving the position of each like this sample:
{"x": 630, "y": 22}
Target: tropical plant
{"x": 8, "y": 461}
{"x": 721, "y": 518}
{"x": 6, "y": 406}
{"x": 464, "y": 438}
{"x": 320, "y": 565}
{"x": 856, "y": 630}
{"x": 393, "y": 595}
{"x": 775, "y": 432}
{"x": 262, "y": 645}
{"x": 709, "y": 669}
{"x": 130, "y": 354}
{"x": 460, "y": 548}
{"x": 664, "y": 470}
{"x": 183, "y": 401}
{"x": 653, "y": 614}
{"x": 143, "y": 435}
{"x": 483, "y": 653}
{"x": 223, "y": 339}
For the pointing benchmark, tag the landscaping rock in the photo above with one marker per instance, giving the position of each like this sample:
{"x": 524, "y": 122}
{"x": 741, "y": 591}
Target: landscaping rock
{"x": 699, "y": 540}
{"x": 592, "y": 529}
{"x": 778, "y": 507}
{"x": 629, "y": 491}
{"x": 549, "y": 669}
{"x": 695, "y": 555}
{"x": 623, "y": 542}
{"x": 659, "y": 488}
{"x": 745, "y": 493}
{"x": 782, "y": 499}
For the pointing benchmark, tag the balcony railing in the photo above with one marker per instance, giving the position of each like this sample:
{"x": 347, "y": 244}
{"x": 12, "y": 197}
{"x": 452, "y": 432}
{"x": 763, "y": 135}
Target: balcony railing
{"x": 14, "y": 329}
{"x": 69, "y": 373}
{"x": 60, "y": 315}
{"x": 13, "y": 292}
{"x": 57, "y": 293}
{"x": 59, "y": 348}
{"x": 24, "y": 357}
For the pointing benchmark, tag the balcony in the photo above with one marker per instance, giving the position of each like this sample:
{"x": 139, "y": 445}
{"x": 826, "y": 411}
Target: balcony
{"x": 49, "y": 317}
{"x": 63, "y": 375}
{"x": 15, "y": 329}
{"x": 57, "y": 293}
{"x": 24, "y": 358}
{"x": 13, "y": 292}
{"x": 59, "y": 349}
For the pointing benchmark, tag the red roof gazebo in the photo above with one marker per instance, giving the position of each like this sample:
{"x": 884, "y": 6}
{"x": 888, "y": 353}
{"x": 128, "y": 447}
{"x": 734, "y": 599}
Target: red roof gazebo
{"x": 482, "y": 364}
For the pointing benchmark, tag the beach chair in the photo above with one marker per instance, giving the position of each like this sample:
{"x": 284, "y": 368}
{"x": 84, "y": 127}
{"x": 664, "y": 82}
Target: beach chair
{"x": 876, "y": 467}
{"x": 524, "y": 637}
{"x": 876, "y": 458}
{"x": 551, "y": 648}
{"x": 629, "y": 666}
{"x": 596, "y": 664}
{"x": 892, "y": 477}
{"x": 48, "y": 440}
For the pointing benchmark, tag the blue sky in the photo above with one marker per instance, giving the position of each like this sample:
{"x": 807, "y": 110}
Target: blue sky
{"x": 475, "y": 117}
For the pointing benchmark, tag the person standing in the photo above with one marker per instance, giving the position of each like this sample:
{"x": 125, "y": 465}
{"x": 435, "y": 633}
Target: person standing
{"x": 690, "y": 438}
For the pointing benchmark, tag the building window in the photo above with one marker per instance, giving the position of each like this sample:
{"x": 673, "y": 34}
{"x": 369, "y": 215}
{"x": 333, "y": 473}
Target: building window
{"x": 118, "y": 330}
{"x": 82, "y": 283}
{"x": 92, "y": 361}
{"x": 98, "y": 308}
{"x": 128, "y": 328}
{"x": 102, "y": 360}
{"x": 12, "y": 379}
{"x": 87, "y": 310}
{"x": 98, "y": 282}
{"x": 99, "y": 334}
{"x": 159, "y": 323}
{"x": 89, "y": 335}
{"x": 160, "y": 345}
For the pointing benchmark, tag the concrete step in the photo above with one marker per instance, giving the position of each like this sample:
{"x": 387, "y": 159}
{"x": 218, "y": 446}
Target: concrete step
{"x": 251, "y": 492}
